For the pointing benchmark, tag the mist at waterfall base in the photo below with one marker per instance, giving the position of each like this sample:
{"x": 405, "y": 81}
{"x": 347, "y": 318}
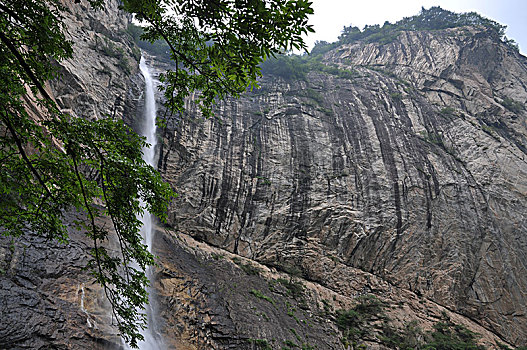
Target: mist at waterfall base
{"x": 152, "y": 340}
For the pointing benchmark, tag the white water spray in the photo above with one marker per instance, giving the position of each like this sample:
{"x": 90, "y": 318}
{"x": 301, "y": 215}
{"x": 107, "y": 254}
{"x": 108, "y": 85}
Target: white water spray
{"x": 152, "y": 341}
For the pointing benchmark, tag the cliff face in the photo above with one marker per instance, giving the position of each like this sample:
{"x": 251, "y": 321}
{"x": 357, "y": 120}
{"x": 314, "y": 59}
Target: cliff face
{"x": 47, "y": 298}
{"x": 402, "y": 175}
{"x": 413, "y": 171}
{"x": 102, "y": 79}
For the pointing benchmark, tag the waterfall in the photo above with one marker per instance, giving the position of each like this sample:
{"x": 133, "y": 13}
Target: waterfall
{"x": 149, "y": 131}
{"x": 153, "y": 340}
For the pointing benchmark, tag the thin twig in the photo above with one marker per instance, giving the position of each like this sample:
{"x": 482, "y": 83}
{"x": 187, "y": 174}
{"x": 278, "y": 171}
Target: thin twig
{"x": 25, "y": 67}
{"x": 104, "y": 191}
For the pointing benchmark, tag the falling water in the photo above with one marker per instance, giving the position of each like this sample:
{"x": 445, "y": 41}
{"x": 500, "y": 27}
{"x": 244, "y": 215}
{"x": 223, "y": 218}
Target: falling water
{"x": 152, "y": 340}
{"x": 149, "y": 131}
{"x": 80, "y": 289}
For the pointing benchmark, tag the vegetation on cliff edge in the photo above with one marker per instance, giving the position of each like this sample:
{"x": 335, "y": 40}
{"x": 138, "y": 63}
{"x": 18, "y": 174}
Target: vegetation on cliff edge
{"x": 294, "y": 67}
{"x": 367, "y": 321}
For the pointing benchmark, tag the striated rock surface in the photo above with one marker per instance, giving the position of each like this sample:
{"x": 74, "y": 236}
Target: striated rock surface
{"x": 407, "y": 182}
{"x": 213, "y": 299}
{"x": 102, "y": 79}
{"x": 47, "y": 298}
{"x": 413, "y": 171}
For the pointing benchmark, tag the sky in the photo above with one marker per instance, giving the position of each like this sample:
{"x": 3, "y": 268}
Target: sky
{"x": 332, "y": 15}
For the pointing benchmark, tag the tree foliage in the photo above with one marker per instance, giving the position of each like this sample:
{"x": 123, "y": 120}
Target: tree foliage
{"x": 158, "y": 48}
{"x": 52, "y": 162}
{"x": 448, "y": 335}
{"x": 356, "y": 326}
{"x": 354, "y": 323}
{"x": 296, "y": 67}
{"x": 218, "y": 45}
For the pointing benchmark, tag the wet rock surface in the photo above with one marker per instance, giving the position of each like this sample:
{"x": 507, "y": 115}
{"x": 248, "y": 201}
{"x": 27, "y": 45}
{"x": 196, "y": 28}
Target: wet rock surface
{"x": 47, "y": 298}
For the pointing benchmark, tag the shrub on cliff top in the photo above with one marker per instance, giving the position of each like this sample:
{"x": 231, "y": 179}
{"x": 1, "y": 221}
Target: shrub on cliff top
{"x": 435, "y": 18}
{"x": 448, "y": 335}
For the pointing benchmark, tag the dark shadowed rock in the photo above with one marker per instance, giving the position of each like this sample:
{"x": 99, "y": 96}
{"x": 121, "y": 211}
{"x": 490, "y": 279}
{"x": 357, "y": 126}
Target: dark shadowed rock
{"x": 47, "y": 298}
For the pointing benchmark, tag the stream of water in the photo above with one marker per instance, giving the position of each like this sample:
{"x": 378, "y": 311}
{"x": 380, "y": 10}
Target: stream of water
{"x": 153, "y": 340}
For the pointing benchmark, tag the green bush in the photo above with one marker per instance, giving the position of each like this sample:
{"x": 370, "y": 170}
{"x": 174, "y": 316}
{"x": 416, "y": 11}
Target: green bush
{"x": 448, "y": 111}
{"x": 247, "y": 268}
{"x": 250, "y": 269}
{"x": 434, "y": 18}
{"x": 450, "y": 336}
{"x": 354, "y": 322}
{"x": 296, "y": 67}
{"x": 410, "y": 338}
{"x": 158, "y": 48}
{"x": 369, "y": 306}
{"x": 396, "y": 96}
{"x": 512, "y": 105}
{"x": 314, "y": 95}
{"x": 288, "y": 67}
{"x": 109, "y": 49}
{"x": 321, "y": 47}
{"x": 260, "y": 295}
{"x": 295, "y": 334}
{"x": 348, "y": 319}
{"x": 433, "y": 138}
{"x": 290, "y": 344}
{"x": 445, "y": 335}
{"x": 260, "y": 343}
{"x": 295, "y": 289}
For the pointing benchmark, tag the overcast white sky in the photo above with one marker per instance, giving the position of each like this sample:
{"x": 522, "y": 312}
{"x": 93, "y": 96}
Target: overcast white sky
{"x": 332, "y": 15}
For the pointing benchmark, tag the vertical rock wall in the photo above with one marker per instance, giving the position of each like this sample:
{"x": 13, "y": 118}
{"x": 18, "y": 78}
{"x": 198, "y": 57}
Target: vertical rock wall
{"x": 415, "y": 171}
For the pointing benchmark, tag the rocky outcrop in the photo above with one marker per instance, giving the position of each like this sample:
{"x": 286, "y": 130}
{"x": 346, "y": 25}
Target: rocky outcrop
{"x": 414, "y": 171}
{"x": 102, "y": 79}
{"x": 47, "y": 298}
{"x": 212, "y": 299}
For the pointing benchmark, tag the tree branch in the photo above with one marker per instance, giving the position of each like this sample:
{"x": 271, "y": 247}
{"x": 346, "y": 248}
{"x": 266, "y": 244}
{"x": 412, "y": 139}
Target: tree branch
{"x": 22, "y": 152}
{"x": 122, "y": 245}
{"x": 25, "y": 66}
{"x": 107, "y": 291}
{"x": 177, "y": 53}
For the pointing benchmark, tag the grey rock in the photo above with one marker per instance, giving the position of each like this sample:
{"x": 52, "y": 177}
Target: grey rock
{"x": 413, "y": 171}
